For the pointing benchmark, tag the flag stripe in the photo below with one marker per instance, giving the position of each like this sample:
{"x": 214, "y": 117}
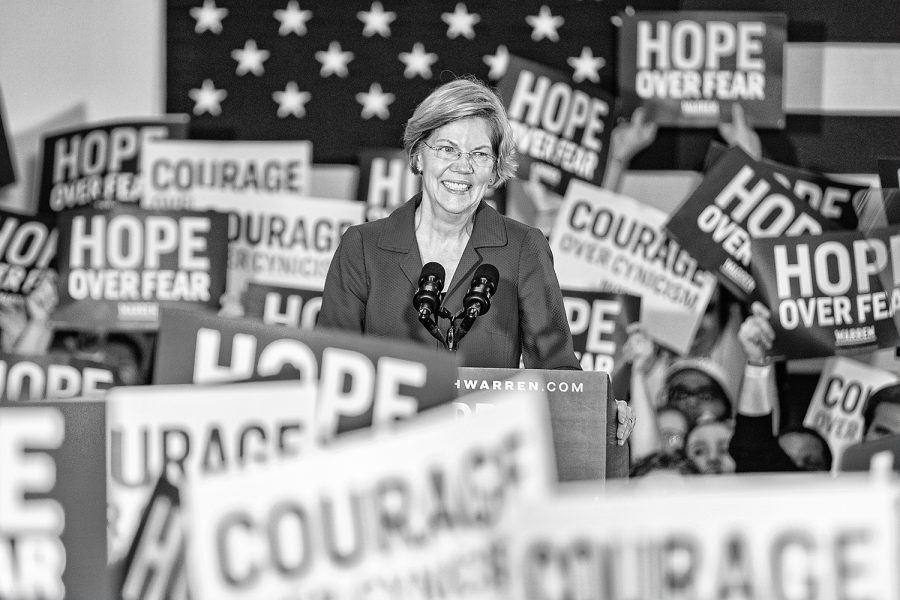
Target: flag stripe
{"x": 842, "y": 79}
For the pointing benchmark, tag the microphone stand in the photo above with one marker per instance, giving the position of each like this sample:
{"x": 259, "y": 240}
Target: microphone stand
{"x": 456, "y": 334}
{"x": 426, "y": 319}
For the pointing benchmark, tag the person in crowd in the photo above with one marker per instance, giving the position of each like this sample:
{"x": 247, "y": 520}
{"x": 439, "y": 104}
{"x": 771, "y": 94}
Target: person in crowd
{"x": 673, "y": 427}
{"x": 663, "y": 462}
{"x": 699, "y": 389}
{"x": 715, "y": 342}
{"x": 754, "y": 446}
{"x": 127, "y": 353}
{"x": 881, "y": 416}
{"x": 460, "y": 142}
{"x": 694, "y": 390}
{"x": 706, "y": 446}
{"x": 25, "y": 328}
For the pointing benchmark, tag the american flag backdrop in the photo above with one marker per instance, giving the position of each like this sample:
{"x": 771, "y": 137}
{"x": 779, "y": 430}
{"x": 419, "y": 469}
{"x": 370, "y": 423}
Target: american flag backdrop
{"x": 360, "y": 67}
{"x": 346, "y": 74}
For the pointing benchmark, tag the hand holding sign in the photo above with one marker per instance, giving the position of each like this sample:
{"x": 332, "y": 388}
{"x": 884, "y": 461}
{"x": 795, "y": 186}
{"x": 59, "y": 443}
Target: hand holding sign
{"x": 627, "y": 140}
{"x": 756, "y": 334}
{"x": 630, "y": 137}
{"x": 39, "y": 304}
{"x": 740, "y": 133}
{"x": 639, "y": 349}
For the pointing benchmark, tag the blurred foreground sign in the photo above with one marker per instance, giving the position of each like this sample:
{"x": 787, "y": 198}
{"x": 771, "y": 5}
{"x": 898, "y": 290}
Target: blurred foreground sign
{"x": 52, "y": 501}
{"x": 387, "y": 516}
{"x": 804, "y": 536}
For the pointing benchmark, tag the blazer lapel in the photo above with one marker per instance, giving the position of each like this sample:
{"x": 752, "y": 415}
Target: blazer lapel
{"x": 488, "y": 231}
{"x": 399, "y": 235}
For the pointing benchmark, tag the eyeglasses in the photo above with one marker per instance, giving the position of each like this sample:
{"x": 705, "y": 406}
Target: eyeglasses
{"x": 450, "y": 154}
{"x": 678, "y": 395}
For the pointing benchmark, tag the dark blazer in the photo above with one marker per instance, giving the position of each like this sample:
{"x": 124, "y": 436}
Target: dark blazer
{"x": 375, "y": 271}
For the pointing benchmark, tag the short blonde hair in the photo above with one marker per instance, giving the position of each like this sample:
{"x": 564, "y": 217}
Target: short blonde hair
{"x": 460, "y": 99}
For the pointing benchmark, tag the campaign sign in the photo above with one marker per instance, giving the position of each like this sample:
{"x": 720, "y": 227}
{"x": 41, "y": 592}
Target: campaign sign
{"x": 562, "y": 129}
{"x": 837, "y": 405}
{"x": 183, "y": 431}
{"x": 282, "y": 239}
{"x": 385, "y": 181}
{"x": 98, "y": 165}
{"x": 52, "y": 501}
{"x": 689, "y": 67}
{"x": 834, "y": 293}
{"x": 609, "y": 242}
{"x": 598, "y": 321}
{"x": 193, "y": 173}
{"x": 378, "y": 517}
{"x": 154, "y": 566}
{"x": 738, "y": 202}
{"x": 117, "y": 267}
{"x": 27, "y": 248}
{"x": 278, "y": 305}
{"x": 359, "y": 380}
{"x": 833, "y": 199}
{"x": 54, "y": 377}
{"x": 789, "y": 536}
{"x": 889, "y": 172}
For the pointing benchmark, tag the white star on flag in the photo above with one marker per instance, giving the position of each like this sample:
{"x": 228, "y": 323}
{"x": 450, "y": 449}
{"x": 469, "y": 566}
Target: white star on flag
{"x": 460, "y": 22}
{"x": 334, "y": 61}
{"x": 587, "y": 66}
{"x": 207, "y": 98}
{"x": 375, "y": 102}
{"x": 291, "y": 101}
{"x": 209, "y": 18}
{"x": 418, "y": 62}
{"x": 376, "y": 20}
{"x": 498, "y": 62}
{"x": 250, "y": 59}
{"x": 292, "y": 19}
{"x": 544, "y": 25}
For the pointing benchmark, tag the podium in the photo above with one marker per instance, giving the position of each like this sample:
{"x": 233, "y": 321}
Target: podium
{"x": 582, "y": 416}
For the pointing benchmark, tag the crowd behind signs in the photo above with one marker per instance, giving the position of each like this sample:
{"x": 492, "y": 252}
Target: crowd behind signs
{"x": 241, "y": 454}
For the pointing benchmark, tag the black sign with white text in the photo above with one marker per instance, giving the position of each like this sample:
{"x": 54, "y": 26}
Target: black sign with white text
{"x": 116, "y": 267}
{"x": 562, "y": 129}
{"x": 99, "y": 165}
{"x": 690, "y": 67}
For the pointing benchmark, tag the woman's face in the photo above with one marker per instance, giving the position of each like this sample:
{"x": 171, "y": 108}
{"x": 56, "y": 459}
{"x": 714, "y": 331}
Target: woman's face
{"x": 696, "y": 395}
{"x": 456, "y": 186}
{"x": 707, "y": 448}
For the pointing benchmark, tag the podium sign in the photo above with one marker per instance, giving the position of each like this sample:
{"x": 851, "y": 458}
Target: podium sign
{"x": 582, "y": 415}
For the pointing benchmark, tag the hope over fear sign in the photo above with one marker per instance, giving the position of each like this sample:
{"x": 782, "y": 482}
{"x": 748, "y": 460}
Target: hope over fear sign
{"x": 689, "y": 67}
{"x": 118, "y": 266}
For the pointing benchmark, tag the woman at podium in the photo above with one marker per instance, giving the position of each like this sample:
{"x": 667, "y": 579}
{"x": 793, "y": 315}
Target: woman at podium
{"x": 445, "y": 268}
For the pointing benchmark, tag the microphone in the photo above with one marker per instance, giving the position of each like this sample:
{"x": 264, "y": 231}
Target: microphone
{"x": 477, "y": 300}
{"x": 427, "y": 299}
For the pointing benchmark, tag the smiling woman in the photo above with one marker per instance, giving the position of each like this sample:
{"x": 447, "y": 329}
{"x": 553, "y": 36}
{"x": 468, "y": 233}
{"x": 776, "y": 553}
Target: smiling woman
{"x": 460, "y": 142}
